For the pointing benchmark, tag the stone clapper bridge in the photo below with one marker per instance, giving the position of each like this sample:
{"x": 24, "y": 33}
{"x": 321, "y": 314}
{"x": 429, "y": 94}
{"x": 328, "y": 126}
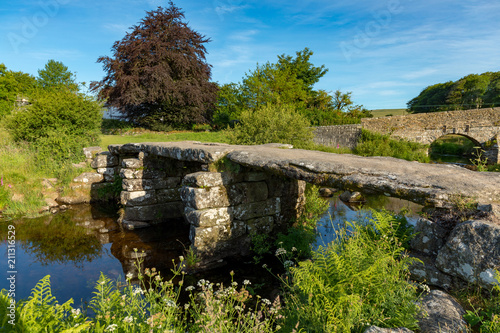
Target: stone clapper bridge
{"x": 482, "y": 126}
{"x": 228, "y": 192}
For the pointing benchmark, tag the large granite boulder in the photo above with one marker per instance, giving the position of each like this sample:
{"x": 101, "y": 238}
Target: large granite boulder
{"x": 441, "y": 313}
{"x": 472, "y": 252}
{"x": 429, "y": 237}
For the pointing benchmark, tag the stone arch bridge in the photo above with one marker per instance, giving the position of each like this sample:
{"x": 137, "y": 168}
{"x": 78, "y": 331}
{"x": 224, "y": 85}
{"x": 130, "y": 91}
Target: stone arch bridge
{"x": 228, "y": 192}
{"x": 482, "y": 126}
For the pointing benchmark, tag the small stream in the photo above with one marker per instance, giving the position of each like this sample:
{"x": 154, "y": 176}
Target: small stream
{"x": 75, "y": 246}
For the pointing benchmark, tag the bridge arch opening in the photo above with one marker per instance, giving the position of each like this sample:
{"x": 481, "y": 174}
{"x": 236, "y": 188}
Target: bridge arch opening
{"x": 458, "y": 148}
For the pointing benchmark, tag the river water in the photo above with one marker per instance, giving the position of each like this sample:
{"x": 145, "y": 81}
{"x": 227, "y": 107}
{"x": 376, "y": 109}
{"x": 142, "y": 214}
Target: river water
{"x": 75, "y": 246}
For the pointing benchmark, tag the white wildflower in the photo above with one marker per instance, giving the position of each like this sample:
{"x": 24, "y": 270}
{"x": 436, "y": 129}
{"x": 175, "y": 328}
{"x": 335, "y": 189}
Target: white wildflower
{"x": 246, "y": 282}
{"x": 75, "y": 312}
{"x": 181, "y": 258}
{"x": 190, "y": 288}
{"x": 280, "y": 251}
{"x": 111, "y": 328}
{"x": 234, "y": 283}
{"x": 266, "y": 301}
{"x": 201, "y": 283}
{"x": 288, "y": 263}
{"x": 294, "y": 249}
{"x": 128, "y": 319}
{"x": 170, "y": 303}
{"x": 138, "y": 291}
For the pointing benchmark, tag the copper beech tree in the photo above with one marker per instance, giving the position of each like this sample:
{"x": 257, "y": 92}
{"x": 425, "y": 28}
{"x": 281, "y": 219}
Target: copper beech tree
{"x": 158, "y": 76}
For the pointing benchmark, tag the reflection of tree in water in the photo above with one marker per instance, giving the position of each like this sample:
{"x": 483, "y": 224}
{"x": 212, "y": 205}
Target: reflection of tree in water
{"x": 58, "y": 239}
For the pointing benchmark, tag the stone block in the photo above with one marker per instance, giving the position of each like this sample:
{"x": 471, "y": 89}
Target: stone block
{"x": 247, "y": 192}
{"x": 108, "y": 173}
{"x": 472, "y": 252}
{"x": 132, "y": 163}
{"x": 252, "y": 210}
{"x": 255, "y": 176}
{"x": 131, "y": 174}
{"x": 104, "y": 160}
{"x": 211, "y": 179}
{"x": 89, "y": 178}
{"x": 138, "y": 198}
{"x": 260, "y": 225}
{"x": 156, "y": 213}
{"x": 213, "y": 238}
{"x": 429, "y": 237}
{"x": 90, "y": 152}
{"x": 200, "y": 198}
{"x": 208, "y": 217}
{"x": 168, "y": 195}
{"x": 150, "y": 184}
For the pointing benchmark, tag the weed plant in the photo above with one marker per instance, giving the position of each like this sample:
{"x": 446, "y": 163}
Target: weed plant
{"x": 146, "y": 304}
{"x": 484, "y": 313}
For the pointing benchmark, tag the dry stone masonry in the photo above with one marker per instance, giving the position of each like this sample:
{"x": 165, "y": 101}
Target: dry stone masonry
{"x": 224, "y": 209}
{"x": 227, "y": 192}
{"x": 481, "y": 126}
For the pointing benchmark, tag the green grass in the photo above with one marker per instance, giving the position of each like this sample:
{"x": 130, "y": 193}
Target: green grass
{"x": 386, "y": 112}
{"x": 107, "y": 140}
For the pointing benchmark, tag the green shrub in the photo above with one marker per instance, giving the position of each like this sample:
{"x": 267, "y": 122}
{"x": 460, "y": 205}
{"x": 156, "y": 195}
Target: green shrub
{"x": 272, "y": 123}
{"x": 58, "y": 124}
{"x": 375, "y": 144}
{"x": 360, "y": 279}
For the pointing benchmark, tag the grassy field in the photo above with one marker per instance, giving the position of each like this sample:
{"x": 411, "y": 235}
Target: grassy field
{"x": 163, "y": 137}
{"x": 386, "y": 112}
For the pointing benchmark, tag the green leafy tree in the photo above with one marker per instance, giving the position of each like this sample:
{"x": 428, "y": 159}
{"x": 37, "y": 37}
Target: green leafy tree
{"x": 271, "y": 84}
{"x": 13, "y": 85}
{"x": 55, "y": 75}
{"x": 303, "y": 69}
{"x": 158, "y": 74}
{"x": 471, "y": 91}
{"x": 475, "y": 86}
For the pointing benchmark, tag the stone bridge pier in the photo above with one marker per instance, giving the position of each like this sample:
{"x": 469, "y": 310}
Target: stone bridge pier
{"x": 224, "y": 209}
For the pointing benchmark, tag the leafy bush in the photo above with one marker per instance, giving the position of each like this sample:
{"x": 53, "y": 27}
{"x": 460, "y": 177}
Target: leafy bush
{"x": 360, "y": 279}
{"x": 58, "y": 124}
{"x": 375, "y": 144}
{"x": 272, "y": 123}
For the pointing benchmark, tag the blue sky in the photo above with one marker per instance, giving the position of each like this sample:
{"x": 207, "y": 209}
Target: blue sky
{"x": 385, "y": 52}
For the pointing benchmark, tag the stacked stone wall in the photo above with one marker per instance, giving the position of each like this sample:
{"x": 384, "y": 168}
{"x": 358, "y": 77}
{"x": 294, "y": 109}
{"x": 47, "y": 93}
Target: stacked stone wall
{"x": 481, "y": 126}
{"x": 337, "y": 136}
{"x": 224, "y": 210}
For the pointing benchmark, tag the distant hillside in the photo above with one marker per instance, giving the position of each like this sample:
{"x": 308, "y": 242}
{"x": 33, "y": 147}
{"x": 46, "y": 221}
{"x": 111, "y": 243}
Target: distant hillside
{"x": 388, "y": 112}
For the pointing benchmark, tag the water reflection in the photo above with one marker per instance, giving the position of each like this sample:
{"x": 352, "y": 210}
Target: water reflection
{"x": 340, "y": 212}
{"x": 76, "y": 245}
